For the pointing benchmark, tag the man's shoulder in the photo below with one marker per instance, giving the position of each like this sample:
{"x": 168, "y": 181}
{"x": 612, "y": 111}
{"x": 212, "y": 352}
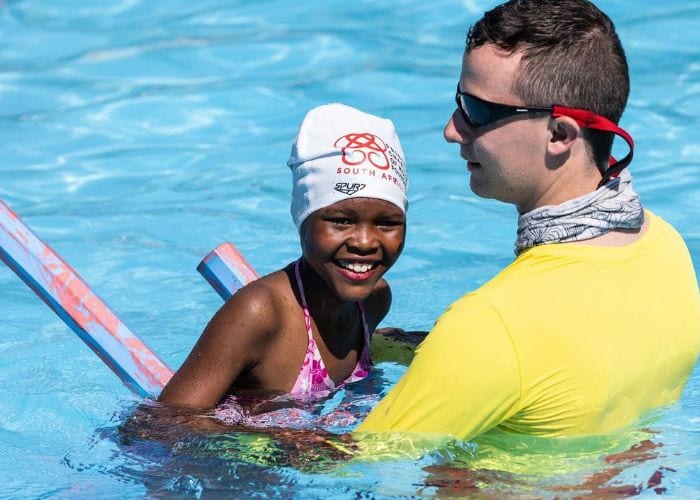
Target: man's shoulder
{"x": 472, "y": 303}
{"x": 661, "y": 229}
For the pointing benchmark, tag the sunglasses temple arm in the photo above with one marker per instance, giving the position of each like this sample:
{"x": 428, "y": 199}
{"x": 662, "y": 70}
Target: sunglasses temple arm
{"x": 588, "y": 119}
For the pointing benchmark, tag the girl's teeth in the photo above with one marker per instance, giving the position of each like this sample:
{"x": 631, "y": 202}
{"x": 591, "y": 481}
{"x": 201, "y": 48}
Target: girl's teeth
{"x": 356, "y": 267}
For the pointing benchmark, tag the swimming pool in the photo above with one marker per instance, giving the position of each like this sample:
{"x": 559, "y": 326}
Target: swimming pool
{"x": 139, "y": 135}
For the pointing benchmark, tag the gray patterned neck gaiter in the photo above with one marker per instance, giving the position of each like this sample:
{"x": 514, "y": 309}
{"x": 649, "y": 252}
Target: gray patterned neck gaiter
{"x": 614, "y": 205}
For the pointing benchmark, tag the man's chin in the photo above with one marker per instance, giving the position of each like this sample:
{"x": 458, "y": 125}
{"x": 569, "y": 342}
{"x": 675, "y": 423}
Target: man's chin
{"x": 479, "y": 186}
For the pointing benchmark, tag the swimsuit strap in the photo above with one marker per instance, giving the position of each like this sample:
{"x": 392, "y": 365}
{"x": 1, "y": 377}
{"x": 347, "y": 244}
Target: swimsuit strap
{"x": 364, "y": 361}
{"x": 313, "y": 379}
{"x": 307, "y": 314}
{"x": 366, "y": 354}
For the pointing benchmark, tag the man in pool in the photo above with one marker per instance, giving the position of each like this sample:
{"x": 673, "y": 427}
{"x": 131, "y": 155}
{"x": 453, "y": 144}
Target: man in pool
{"x": 597, "y": 320}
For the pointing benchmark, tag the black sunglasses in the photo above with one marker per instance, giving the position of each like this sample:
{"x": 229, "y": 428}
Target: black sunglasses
{"x": 479, "y": 113}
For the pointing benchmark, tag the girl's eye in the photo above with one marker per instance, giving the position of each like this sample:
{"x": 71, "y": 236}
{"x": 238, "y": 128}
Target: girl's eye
{"x": 340, "y": 221}
{"x": 389, "y": 222}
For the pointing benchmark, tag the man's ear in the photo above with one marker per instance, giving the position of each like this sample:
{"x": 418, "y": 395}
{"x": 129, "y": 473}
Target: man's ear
{"x": 563, "y": 134}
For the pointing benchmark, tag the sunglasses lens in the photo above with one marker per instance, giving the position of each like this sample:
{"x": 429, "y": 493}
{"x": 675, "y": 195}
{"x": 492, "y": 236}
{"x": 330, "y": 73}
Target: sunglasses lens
{"x": 475, "y": 112}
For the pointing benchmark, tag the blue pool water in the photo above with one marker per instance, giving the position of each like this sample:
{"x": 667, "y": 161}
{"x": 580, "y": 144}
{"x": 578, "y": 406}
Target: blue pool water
{"x": 136, "y": 136}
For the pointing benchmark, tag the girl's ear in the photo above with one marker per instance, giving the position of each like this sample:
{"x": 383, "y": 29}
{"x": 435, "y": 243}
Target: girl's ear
{"x": 563, "y": 134}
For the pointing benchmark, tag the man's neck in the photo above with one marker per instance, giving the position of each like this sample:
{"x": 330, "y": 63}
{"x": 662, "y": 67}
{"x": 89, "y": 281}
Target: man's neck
{"x": 567, "y": 183}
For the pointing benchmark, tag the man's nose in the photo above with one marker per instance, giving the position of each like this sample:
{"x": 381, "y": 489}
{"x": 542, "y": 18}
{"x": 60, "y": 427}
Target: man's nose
{"x": 456, "y": 130}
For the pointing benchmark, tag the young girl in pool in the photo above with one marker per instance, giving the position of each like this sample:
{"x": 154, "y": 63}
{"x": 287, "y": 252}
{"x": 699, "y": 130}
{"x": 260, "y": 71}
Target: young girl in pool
{"x": 304, "y": 330}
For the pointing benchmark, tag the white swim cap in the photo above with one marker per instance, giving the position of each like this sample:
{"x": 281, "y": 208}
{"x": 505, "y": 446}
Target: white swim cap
{"x": 341, "y": 152}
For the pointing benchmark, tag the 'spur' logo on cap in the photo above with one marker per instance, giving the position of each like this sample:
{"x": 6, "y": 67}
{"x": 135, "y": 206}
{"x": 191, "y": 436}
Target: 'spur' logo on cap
{"x": 349, "y": 189}
{"x": 361, "y": 147}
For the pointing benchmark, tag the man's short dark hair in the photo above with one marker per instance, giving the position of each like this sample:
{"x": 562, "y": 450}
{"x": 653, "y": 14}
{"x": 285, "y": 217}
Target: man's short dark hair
{"x": 571, "y": 56}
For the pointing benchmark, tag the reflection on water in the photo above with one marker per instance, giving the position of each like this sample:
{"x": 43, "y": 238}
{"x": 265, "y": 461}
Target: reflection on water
{"x": 599, "y": 480}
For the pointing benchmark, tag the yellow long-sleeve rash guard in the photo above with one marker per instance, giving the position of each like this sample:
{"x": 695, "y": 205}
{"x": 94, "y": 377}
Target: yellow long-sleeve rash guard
{"x": 569, "y": 339}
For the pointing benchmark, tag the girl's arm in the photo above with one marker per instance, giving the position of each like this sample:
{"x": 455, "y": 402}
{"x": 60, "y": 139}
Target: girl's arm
{"x": 234, "y": 341}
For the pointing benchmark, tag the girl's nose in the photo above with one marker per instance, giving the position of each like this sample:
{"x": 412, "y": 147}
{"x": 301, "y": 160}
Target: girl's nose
{"x": 363, "y": 239}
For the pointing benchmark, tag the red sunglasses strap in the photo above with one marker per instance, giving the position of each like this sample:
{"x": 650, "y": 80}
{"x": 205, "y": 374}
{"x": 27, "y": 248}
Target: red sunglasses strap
{"x": 588, "y": 119}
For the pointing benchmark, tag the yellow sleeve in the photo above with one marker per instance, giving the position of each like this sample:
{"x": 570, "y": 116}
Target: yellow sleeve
{"x": 464, "y": 379}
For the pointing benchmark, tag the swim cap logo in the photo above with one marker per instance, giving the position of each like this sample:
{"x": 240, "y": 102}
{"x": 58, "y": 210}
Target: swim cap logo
{"x": 363, "y": 147}
{"x": 349, "y": 189}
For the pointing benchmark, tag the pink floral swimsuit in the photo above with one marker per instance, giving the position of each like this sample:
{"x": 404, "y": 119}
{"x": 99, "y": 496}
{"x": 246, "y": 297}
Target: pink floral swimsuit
{"x": 313, "y": 380}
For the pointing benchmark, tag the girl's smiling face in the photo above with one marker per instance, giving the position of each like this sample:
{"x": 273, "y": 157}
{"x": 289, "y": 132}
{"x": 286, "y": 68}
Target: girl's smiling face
{"x": 352, "y": 243}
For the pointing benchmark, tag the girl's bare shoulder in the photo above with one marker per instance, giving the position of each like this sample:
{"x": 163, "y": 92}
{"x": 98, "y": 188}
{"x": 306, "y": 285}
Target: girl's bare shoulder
{"x": 264, "y": 302}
